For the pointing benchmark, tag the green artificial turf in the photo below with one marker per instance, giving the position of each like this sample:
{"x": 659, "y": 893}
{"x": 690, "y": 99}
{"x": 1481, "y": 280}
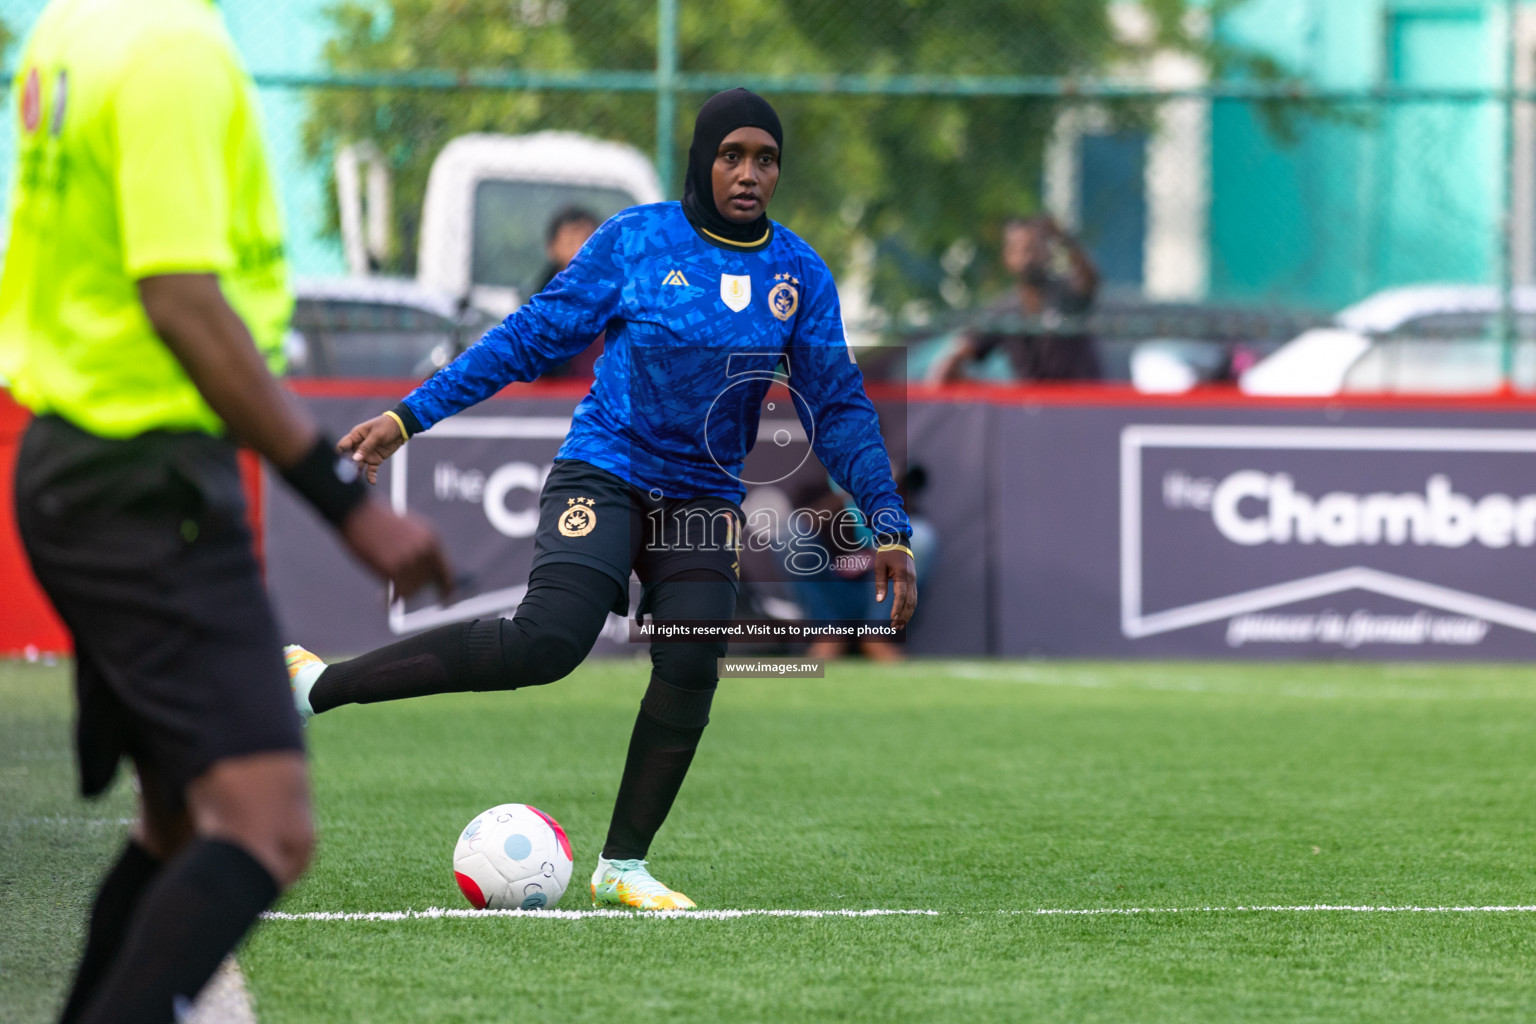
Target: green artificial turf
{"x": 984, "y": 791}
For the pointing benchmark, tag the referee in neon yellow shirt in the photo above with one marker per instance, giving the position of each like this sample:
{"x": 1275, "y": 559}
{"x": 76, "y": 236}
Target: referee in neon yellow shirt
{"x": 142, "y": 305}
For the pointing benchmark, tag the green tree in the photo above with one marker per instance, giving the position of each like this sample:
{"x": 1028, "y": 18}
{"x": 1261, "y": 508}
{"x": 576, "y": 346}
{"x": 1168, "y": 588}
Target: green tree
{"x": 910, "y": 173}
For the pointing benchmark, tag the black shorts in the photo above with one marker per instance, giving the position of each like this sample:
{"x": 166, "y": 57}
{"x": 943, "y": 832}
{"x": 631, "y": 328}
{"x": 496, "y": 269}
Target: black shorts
{"x": 594, "y": 518}
{"x": 144, "y": 549}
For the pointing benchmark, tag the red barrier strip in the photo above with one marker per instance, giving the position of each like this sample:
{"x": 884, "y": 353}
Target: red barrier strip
{"x": 391, "y": 391}
{"x": 28, "y": 624}
{"x": 1213, "y": 396}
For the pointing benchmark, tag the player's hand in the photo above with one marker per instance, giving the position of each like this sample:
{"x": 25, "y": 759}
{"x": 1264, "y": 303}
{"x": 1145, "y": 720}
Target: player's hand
{"x": 895, "y": 574}
{"x": 371, "y": 443}
{"x": 402, "y": 549}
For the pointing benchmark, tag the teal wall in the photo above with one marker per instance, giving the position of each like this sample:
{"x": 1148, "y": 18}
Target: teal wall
{"x": 1322, "y": 207}
{"x": 275, "y": 37}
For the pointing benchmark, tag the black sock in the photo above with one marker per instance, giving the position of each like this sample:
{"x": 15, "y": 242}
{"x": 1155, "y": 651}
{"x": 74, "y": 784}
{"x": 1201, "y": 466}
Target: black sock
{"x": 447, "y": 659}
{"x": 110, "y": 914}
{"x": 555, "y": 626}
{"x": 186, "y": 922}
{"x": 661, "y": 748}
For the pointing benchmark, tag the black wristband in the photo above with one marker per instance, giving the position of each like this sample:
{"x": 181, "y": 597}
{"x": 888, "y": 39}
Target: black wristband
{"x": 408, "y": 420}
{"x": 332, "y": 483}
{"x": 893, "y": 538}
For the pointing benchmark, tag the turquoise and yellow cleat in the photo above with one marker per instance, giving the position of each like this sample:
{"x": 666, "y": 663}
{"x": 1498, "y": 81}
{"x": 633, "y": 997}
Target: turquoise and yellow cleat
{"x": 627, "y": 883}
{"x": 303, "y": 669}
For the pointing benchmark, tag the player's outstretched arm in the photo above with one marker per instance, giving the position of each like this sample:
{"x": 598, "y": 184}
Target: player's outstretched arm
{"x": 373, "y": 441}
{"x": 553, "y": 326}
{"x": 839, "y": 415}
{"x": 191, "y": 315}
{"x": 896, "y": 575}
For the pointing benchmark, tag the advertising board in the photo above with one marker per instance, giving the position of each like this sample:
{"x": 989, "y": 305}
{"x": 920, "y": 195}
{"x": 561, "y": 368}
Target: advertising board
{"x": 1267, "y": 533}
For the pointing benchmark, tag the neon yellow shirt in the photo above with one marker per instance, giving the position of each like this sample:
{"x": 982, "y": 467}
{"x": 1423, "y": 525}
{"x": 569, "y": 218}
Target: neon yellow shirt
{"x": 140, "y": 153}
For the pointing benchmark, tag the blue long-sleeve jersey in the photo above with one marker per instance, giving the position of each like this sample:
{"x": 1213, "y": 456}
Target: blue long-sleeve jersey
{"x": 697, "y": 333}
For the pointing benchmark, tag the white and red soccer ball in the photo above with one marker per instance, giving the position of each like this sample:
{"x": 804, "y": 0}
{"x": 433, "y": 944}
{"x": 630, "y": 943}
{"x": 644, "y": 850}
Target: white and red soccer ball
{"x": 513, "y": 857}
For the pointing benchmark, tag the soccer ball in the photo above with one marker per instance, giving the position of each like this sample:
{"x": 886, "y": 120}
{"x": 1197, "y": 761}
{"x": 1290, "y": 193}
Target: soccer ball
{"x": 513, "y": 857}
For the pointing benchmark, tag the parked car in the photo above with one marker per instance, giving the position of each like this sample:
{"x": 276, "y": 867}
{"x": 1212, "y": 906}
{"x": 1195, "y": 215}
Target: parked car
{"x": 377, "y": 327}
{"x": 1429, "y": 339}
{"x": 1156, "y": 346}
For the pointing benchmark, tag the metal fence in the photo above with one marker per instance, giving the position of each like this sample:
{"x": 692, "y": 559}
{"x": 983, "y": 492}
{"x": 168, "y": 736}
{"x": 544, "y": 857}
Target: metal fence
{"x": 1222, "y": 192}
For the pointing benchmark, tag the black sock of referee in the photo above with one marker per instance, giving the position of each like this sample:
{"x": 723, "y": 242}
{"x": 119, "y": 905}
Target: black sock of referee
{"x": 187, "y": 921}
{"x": 110, "y": 913}
{"x": 555, "y": 626}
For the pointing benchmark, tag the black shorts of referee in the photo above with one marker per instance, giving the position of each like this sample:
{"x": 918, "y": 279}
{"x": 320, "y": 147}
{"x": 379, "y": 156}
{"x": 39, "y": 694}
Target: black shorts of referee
{"x": 144, "y": 548}
{"x": 595, "y": 518}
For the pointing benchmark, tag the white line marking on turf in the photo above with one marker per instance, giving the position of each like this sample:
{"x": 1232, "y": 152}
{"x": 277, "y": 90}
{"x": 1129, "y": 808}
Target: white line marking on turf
{"x": 1151, "y": 682}
{"x": 1309, "y": 908}
{"x": 225, "y": 999}
{"x": 67, "y": 822}
{"x": 727, "y": 915}
{"x": 577, "y": 915}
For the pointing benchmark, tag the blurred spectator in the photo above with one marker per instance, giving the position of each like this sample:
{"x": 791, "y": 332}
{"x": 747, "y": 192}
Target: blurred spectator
{"x": 1055, "y": 282}
{"x": 567, "y": 232}
{"x": 844, "y": 589}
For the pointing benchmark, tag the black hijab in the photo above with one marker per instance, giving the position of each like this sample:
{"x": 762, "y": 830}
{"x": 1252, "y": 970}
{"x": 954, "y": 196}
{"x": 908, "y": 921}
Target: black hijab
{"x": 721, "y": 114}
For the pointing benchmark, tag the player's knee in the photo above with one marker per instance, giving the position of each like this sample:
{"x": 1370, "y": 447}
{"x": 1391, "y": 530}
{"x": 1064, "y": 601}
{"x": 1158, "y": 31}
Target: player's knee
{"x": 506, "y": 654}
{"x": 260, "y": 803}
{"x": 290, "y": 850}
{"x": 280, "y": 835}
{"x": 688, "y": 666}
{"x": 284, "y": 847}
{"x": 563, "y": 617}
{"x": 544, "y": 657}
{"x": 555, "y": 657}
{"x": 282, "y": 843}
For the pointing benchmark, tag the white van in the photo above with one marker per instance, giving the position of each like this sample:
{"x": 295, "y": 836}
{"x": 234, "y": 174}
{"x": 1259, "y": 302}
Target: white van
{"x": 489, "y": 202}
{"x": 490, "y": 199}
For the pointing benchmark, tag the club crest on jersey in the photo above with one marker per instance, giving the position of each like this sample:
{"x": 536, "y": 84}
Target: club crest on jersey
{"x": 735, "y": 291}
{"x": 784, "y": 297}
{"x": 579, "y": 519}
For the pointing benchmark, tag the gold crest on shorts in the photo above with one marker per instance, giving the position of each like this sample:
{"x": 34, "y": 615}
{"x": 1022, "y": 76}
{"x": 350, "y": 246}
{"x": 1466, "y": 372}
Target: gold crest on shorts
{"x": 578, "y": 520}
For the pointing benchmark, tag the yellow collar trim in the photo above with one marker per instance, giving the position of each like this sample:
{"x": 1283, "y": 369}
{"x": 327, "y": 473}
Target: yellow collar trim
{"x": 732, "y": 241}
